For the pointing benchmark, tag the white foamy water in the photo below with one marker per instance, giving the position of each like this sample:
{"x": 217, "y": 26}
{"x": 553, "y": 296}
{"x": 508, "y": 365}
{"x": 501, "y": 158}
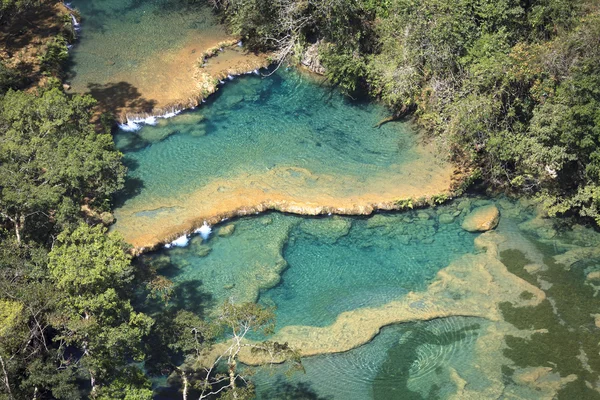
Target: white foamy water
{"x": 75, "y": 23}
{"x": 181, "y": 241}
{"x": 204, "y": 231}
{"x": 135, "y": 124}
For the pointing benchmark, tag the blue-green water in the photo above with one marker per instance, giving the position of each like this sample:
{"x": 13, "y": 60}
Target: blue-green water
{"x": 327, "y": 265}
{"x": 376, "y": 260}
{"x": 254, "y": 124}
{"x": 259, "y": 139}
{"x": 407, "y": 361}
{"x": 331, "y": 265}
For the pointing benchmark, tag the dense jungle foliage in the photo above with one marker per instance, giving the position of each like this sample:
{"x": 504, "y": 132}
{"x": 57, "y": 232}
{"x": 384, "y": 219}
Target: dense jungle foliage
{"x": 68, "y": 326}
{"x": 510, "y": 87}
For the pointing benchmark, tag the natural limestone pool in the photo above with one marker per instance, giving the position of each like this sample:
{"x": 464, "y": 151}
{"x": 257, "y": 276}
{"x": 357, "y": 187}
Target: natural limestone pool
{"x": 144, "y": 56}
{"x": 283, "y": 142}
{"x": 381, "y": 304}
{"x": 409, "y": 305}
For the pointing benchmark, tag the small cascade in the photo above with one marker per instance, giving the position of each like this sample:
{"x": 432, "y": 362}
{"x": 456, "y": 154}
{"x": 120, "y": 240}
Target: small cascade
{"x": 136, "y": 123}
{"x": 204, "y": 231}
{"x": 181, "y": 241}
{"x": 75, "y": 23}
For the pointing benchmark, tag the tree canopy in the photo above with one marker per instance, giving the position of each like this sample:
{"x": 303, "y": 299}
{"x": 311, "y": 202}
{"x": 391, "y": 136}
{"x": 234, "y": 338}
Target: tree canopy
{"x": 52, "y": 160}
{"x": 508, "y": 87}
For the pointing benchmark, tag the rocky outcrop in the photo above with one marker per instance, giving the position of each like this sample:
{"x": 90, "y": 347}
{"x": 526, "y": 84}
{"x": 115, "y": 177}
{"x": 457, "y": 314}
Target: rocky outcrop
{"x": 482, "y": 219}
{"x": 311, "y": 59}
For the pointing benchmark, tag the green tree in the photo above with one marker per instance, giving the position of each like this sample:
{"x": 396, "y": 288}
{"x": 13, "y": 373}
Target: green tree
{"x": 93, "y": 274}
{"x": 52, "y": 160}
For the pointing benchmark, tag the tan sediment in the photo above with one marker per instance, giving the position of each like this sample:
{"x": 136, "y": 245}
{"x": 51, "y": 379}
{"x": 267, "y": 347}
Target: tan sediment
{"x": 472, "y": 286}
{"x": 183, "y": 81}
{"x": 288, "y": 189}
{"x": 173, "y": 79}
{"x": 545, "y": 382}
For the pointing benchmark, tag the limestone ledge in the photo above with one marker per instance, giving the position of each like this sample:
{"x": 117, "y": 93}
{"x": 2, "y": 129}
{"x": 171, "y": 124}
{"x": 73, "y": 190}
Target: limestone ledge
{"x": 213, "y": 65}
{"x": 151, "y": 242}
{"x": 147, "y": 223}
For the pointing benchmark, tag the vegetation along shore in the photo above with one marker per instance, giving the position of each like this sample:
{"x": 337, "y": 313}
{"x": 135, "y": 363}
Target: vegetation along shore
{"x": 299, "y": 199}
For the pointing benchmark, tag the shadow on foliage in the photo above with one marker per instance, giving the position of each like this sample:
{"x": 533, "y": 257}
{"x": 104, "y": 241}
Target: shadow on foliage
{"x": 34, "y": 23}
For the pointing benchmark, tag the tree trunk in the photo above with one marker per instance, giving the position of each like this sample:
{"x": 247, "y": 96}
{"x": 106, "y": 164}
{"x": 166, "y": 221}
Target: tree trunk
{"x": 19, "y": 222}
{"x": 397, "y": 115}
{"x": 6, "y": 381}
{"x": 93, "y": 384}
{"x": 232, "y": 376}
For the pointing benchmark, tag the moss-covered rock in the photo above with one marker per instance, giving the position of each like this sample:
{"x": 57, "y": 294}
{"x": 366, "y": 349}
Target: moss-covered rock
{"x": 446, "y": 218}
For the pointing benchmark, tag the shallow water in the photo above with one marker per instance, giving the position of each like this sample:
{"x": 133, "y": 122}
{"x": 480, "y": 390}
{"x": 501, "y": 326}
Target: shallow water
{"x": 376, "y": 260}
{"x": 283, "y": 139}
{"x": 327, "y": 265}
{"x": 408, "y": 361}
{"x": 332, "y": 265}
{"x": 140, "y": 54}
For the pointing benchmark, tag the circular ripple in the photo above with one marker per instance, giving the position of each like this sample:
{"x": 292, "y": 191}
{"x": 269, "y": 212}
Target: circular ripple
{"x": 402, "y": 359}
{"x": 420, "y": 358}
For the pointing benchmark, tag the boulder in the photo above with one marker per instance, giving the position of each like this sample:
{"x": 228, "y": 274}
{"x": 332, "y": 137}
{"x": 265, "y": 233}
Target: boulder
{"x": 482, "y": 219}
{"x": 423, "y": 215}
{"x": 311, "y": 59}
{"x": 203, "y": 251}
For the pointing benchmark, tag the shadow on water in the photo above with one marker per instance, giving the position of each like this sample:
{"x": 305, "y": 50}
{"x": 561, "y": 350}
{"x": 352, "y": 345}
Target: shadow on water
{"x": 132, "y": 186}
{"x": 284, "y": 390}
{"x": 188, "y": 295}
{"x": 113, "y": 97}
{"x": 570, "y": 341}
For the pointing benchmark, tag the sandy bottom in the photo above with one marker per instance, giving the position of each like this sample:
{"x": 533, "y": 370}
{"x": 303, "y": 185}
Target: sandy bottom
{"x": 177, "y": 80}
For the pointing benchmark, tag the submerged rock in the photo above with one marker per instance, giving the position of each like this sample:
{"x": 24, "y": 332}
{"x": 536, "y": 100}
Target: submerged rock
{"x": 423, "y": 215}
{"x": 446, "y": 218}
{"x": 226, "y": 230}
{"x": 328, "y": 230}
{"x": 482, "y": 219}
{"x": 203, "y": 251}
